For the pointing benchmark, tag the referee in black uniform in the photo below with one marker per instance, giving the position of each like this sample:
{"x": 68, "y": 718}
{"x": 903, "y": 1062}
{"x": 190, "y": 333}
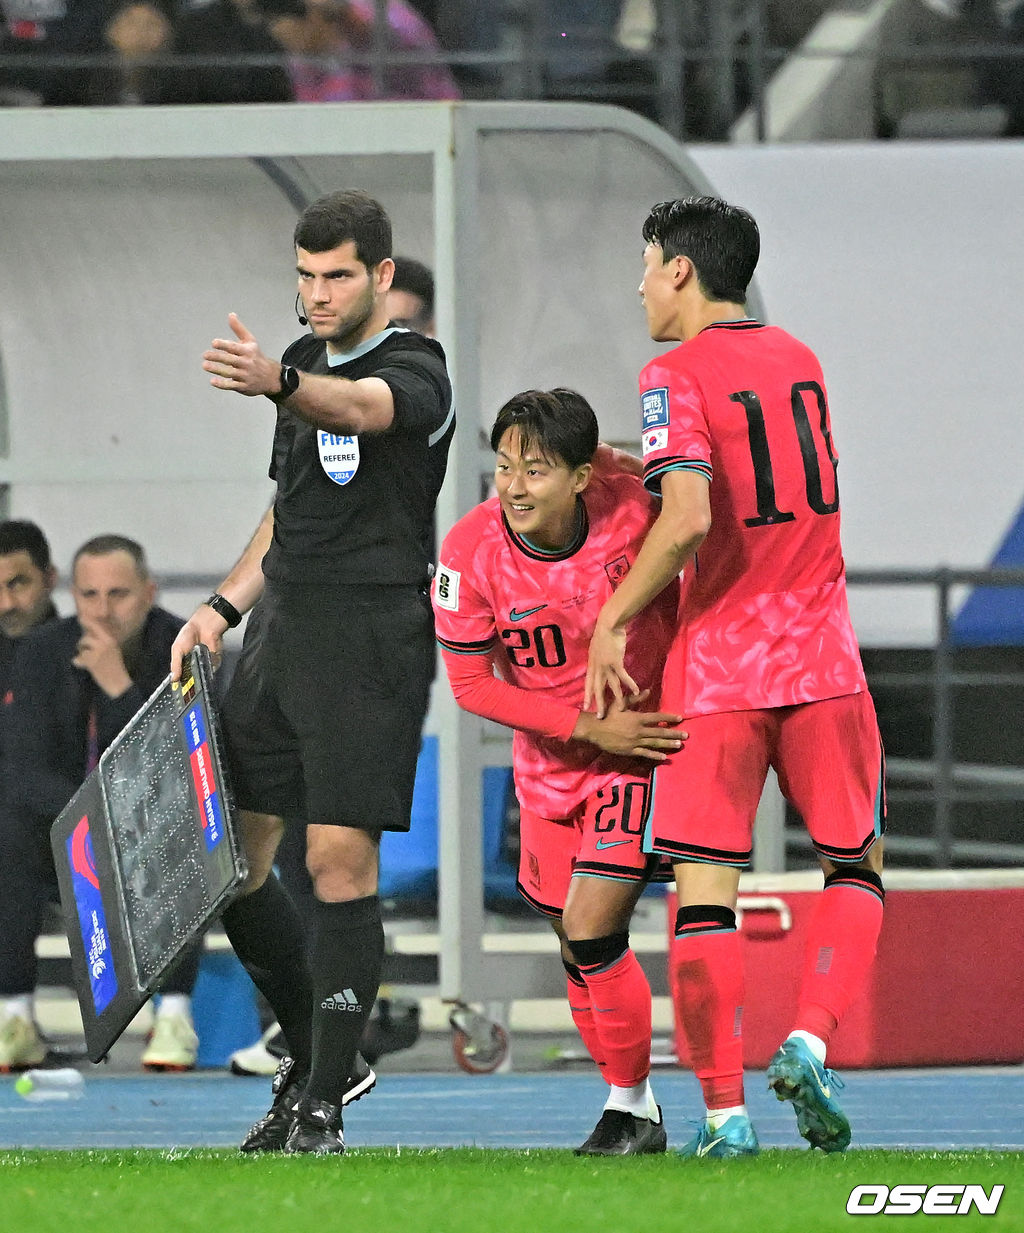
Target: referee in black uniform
{"x": 324, "y": 713}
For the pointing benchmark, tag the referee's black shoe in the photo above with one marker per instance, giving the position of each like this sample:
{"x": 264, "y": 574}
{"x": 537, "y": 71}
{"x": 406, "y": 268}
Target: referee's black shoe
{"x": 317, "y": 1129}
{"x": 622, "y": 1134}
{"x": 271, "y": 1131}
{"x": 362, "y": 1080}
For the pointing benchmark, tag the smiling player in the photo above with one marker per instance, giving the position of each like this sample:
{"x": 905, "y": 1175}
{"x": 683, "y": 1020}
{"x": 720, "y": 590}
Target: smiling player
{"x": 521, "y": 580}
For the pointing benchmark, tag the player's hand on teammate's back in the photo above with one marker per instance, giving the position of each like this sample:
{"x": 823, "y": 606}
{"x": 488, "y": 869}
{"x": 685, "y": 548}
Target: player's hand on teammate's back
{"x": 631, "y": 733}
{"x": 606, "y": 671}
{"x": 238, "y": 364}
{"x": 204, "y": 627}
{"x": 99, "y": 654}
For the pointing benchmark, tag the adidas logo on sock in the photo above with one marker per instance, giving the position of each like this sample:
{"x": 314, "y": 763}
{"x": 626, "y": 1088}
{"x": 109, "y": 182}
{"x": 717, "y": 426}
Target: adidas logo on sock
{"x": 345, "y": 1000}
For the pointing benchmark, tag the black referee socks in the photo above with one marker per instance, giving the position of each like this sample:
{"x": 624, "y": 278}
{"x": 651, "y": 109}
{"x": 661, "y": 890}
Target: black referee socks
{"x": 267, "y": 936}
{"x": 346, "y": 958}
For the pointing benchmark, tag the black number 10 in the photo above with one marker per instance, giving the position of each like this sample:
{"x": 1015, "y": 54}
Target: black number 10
{"x": 768, "y": 512}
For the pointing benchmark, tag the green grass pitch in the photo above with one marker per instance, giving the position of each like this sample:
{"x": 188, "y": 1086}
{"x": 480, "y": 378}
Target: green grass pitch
{"x": 468, "y": 1190}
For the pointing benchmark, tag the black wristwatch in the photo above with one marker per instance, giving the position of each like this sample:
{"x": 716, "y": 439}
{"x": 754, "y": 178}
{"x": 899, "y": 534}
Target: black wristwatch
{"x": 225, "y": 608}
{"x": 289, "y": 383}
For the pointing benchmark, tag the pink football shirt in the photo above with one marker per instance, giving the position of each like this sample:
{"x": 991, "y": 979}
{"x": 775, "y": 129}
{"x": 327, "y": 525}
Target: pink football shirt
{"x": 764, "y": 620}
{"x": 529, "y": 615}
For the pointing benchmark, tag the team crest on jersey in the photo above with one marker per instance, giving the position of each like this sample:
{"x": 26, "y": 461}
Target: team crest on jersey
{"x": 339, "y": 456}
{"x": 656, "y": 439}
{"x": 446, "y": 588}
{"x": 654, "y": 406}
{"x": 617, "y": 570}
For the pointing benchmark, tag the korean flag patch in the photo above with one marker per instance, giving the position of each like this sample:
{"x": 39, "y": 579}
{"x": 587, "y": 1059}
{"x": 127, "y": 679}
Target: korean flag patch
{"x": 339, "y": 456}
{"x": 446, "y": 588}
{"x": 654, "y": 406}
{"x": 656, "y": 439}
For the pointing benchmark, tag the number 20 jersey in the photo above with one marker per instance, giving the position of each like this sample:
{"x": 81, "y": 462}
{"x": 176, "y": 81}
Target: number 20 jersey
{"x": 533, "y": 614}
{"x": 764, "y": 620}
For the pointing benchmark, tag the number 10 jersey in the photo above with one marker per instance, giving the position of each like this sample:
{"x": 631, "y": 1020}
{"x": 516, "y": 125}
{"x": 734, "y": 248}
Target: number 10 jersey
{"x": 764, "y": 620}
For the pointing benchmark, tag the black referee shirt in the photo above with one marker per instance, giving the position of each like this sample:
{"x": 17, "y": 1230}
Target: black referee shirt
{"x": 359, "y": 510}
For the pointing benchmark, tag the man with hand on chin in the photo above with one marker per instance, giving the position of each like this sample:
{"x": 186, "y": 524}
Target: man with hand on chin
{"x": 75, "y": 683}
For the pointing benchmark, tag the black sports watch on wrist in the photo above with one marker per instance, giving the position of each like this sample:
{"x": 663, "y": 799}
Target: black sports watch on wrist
{"x": 289, "y": 383}
{"x": 224, "y": 608}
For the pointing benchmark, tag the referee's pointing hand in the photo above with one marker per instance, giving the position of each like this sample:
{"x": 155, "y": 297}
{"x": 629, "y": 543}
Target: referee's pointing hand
{"x": 238, "y": 364}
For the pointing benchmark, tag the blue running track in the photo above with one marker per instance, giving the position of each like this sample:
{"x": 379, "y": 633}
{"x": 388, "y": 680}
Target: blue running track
{"x": 919, "y": 1109}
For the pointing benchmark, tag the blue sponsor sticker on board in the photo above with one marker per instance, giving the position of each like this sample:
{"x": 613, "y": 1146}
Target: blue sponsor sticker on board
{"x": 195, "y": 728}
{"x": 654, "y": 406}
{"x": 92, "y": 920}
{"x": 204, "y": 778}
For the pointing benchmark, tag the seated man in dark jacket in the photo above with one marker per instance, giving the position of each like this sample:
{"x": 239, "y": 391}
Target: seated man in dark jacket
{"x": 27, "y": 579}
{"x": 75, "y": 683}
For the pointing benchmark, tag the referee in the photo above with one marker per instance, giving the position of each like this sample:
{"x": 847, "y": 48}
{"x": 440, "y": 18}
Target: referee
{"x": 324, "y": 713}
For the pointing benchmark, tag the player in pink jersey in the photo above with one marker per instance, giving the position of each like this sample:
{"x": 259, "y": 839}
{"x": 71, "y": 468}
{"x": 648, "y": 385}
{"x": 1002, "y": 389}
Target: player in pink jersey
{"x": 764, "y": 667}
{"x": 519, "y": 585}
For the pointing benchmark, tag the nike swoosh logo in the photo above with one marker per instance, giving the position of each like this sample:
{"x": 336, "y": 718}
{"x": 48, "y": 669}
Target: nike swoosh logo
{"x": 826, "y": 1090}
{"x": 516, "y": 615}
{"x": 609, "y": 843}
{"x": 706, "y": 1147}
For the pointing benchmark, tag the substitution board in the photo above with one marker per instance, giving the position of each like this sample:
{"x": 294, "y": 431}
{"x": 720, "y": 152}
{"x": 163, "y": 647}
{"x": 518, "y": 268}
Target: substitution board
{"x": 146, "y": 853}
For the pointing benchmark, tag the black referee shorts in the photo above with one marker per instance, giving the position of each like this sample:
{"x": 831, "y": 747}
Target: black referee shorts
{"x": 323, "y": 717}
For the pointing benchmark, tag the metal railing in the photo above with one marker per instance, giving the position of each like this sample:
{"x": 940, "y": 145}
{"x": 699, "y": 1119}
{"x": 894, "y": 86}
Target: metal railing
{"x": 943, "y": 780}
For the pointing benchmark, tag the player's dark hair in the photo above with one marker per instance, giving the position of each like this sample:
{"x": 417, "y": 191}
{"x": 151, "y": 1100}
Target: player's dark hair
{"x": 20, "y": 535}
{"x": 415, "y": 278}
{"x": 104, "y": 545}
{"x": 560, "y": 424}
{"x": 720, "y": 239}
{"x": 347, "y": 215}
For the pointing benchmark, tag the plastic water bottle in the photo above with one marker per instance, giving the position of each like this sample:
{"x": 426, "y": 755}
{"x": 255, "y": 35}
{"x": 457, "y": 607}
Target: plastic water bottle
{"x": 65, "y": 1083}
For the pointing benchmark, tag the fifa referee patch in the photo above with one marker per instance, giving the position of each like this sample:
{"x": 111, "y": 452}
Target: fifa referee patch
{"x": 654, "y": 407}
{"x": 446, "y": 588}
{"x": 339, "y": 456}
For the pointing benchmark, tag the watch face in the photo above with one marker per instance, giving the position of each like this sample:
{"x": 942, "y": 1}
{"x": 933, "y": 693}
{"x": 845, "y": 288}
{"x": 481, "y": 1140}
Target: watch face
{"x": 289, "y": 379}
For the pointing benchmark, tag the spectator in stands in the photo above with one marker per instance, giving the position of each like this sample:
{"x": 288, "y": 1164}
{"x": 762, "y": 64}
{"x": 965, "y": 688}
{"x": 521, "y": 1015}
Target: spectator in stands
{"x": 242, "y": 28}
{"x": 332, "y": 47}
{"x": 134, "y": 37}
{"x": 410, "y": 301}
{"x": 136, "y": 32}
{"x": 31, "y": 31}
{"x": 126, "y": 34}
{"x": 75, "y": 683}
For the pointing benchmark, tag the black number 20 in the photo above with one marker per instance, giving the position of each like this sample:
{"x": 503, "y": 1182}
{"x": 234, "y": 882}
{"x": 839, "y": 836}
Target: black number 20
{"x": 545, "y": 642}
{"x": 768, "y": 512}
